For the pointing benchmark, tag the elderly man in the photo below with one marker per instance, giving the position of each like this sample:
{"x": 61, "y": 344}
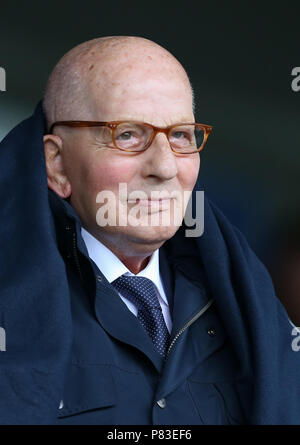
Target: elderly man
{"x": 129, "y": 322}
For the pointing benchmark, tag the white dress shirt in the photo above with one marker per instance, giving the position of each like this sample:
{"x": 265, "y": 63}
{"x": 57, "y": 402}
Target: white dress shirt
{"x": 112, "y": 268}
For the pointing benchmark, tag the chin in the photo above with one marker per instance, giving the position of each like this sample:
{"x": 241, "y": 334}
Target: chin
{"x": 153, "y": 235}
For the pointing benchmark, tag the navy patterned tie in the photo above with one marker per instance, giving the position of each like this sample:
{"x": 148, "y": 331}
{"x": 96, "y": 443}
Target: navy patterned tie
{"x": 142, "y": 293}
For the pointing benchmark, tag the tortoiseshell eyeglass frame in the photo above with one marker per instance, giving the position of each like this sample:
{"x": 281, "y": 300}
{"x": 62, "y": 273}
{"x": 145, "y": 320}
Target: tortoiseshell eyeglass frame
{"x": 114, "y": 124}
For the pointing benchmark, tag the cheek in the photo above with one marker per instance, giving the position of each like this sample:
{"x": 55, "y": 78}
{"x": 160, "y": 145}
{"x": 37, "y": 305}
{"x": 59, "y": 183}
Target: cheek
{"x": 188, "y": 170}
{"x": 107, "y": 174}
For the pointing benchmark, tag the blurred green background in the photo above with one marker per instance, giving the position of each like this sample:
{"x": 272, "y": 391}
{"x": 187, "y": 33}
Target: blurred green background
{"x": 239, "y": 56}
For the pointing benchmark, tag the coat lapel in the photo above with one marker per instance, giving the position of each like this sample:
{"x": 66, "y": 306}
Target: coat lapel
{"x": 193, "y": 345}
{"x": 114, "y": 316}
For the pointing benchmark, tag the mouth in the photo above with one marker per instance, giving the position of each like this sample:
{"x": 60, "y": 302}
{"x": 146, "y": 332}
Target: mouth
{"x": 161, "y": 204}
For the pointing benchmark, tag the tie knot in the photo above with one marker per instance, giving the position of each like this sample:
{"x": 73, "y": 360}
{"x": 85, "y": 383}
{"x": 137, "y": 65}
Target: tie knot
{"x": 139, "y": 290}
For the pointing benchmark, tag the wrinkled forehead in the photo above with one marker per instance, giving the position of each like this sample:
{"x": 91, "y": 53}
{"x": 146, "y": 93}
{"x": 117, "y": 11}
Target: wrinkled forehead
{"x": 138, "y": 84}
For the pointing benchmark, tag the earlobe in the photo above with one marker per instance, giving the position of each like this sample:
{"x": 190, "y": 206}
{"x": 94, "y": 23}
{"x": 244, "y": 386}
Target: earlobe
{"x": 56, "y": 175}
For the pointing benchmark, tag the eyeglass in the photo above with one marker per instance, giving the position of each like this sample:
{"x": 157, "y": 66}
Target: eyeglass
{"x": 131, "y": 136}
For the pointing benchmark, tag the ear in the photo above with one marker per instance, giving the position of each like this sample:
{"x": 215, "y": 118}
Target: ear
{"x": 57, "y": 178}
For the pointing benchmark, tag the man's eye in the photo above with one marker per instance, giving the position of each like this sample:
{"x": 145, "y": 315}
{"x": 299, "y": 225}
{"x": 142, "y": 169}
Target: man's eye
{"x": 125, "y": 136}
{"x": 179, "y": 135}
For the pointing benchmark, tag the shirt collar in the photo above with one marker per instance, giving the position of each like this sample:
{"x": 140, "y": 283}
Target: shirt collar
{"x": 112, "y": 268}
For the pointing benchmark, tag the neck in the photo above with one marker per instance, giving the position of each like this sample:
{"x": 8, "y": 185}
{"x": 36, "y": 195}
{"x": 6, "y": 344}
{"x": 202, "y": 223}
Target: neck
{"x": 135, "y": 264}
{"x": 134, "y": 256}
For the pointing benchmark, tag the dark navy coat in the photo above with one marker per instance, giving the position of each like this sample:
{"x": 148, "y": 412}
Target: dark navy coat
{"x": 76, "y": 355}
{"x": 115, "y": 375}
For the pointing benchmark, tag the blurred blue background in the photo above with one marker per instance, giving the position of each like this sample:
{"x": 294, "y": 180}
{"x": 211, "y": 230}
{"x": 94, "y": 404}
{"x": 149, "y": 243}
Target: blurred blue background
{"x": 239, "y": 56}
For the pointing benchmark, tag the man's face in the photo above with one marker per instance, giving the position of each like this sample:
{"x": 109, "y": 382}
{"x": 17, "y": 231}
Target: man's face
{"x": 161, "y": 99}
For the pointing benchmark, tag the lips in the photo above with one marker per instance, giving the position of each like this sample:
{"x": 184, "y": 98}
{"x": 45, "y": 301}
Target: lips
{"x": 153, "y": 202}
{"x": 158, "y": 204}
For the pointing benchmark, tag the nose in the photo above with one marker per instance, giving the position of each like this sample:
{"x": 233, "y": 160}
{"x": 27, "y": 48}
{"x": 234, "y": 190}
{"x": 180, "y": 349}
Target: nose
{"x": 161, "y": 160}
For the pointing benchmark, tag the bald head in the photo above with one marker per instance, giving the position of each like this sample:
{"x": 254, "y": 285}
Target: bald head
{"x": 78, "y": 86}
